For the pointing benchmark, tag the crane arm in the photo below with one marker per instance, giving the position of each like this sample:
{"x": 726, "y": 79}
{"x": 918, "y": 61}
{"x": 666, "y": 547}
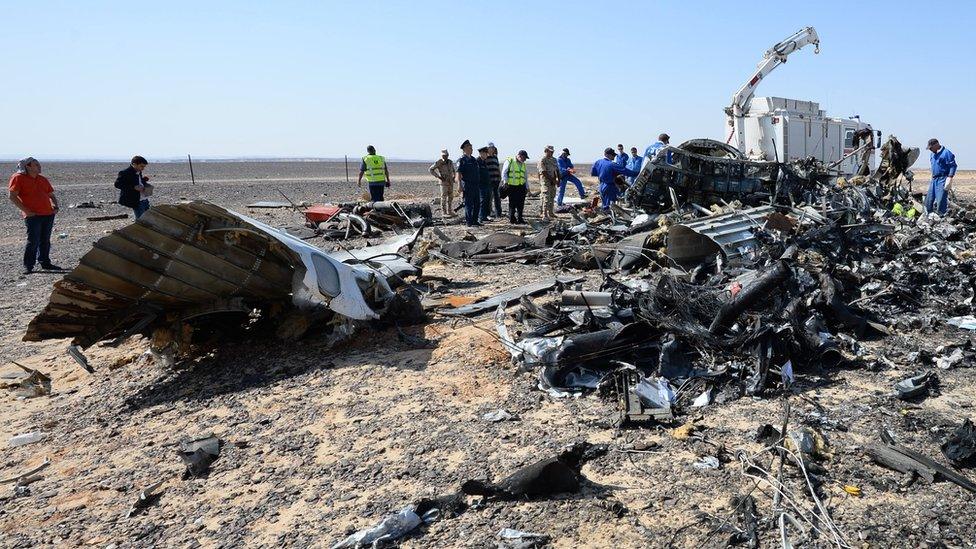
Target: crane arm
{"x": 774, "y": 57}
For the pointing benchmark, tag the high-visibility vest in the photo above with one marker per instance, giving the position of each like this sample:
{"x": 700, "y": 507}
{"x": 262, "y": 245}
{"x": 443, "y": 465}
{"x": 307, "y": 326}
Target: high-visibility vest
{"x": 516, "y": 172}
{"x": 375, "y": 168}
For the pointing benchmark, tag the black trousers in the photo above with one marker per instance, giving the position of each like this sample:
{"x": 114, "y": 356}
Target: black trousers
{"x": 516, "y": 202}
{"x": 376, "y": 192}
{"x": 472, "y": 203}
{"x": 484, "y": 195}
{"x": 497, "y": 199}
{"x": 38, "y": 247}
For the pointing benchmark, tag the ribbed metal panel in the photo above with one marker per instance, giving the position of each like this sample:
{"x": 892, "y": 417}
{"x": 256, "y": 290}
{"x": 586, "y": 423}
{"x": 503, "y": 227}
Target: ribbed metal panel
{"x": 180, "y": 257}
{"x": 730, "y": 233}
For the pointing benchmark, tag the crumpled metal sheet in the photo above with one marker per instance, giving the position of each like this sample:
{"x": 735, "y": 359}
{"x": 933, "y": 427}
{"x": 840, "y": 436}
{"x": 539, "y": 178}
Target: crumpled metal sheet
{"x": 195, "y": 258}
{"x": 731, "y": 234}
{"x": 385, "y": 257}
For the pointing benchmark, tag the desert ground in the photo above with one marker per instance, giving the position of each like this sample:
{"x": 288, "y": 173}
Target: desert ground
{"x": 321, "y": 442}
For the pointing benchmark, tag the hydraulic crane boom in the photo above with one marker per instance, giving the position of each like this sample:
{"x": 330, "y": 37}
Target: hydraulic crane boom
{"x": 774, "y": 57}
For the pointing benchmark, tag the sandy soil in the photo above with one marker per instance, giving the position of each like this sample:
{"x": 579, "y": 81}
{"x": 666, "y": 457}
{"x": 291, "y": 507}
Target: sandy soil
{"x": 322, "y": 442}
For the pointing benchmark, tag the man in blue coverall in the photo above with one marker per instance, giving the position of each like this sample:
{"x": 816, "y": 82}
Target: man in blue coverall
{"x": 567, "y": 174}
{"x": 943, "y": 168}
{"x": 622, "y": 157}
{"x": 663, "y": 140}
{"x": 605, "y": 169}
{"x": 634, "y": 163}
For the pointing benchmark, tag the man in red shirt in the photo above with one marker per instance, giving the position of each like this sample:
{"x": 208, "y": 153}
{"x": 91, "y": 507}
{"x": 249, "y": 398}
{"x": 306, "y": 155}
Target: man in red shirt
{"x": 33, "y": 195}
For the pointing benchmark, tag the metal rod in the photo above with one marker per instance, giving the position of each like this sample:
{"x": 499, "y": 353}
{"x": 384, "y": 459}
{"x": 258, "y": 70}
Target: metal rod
{"x": 850, "y": 154}
{"x": 347, "y": 169}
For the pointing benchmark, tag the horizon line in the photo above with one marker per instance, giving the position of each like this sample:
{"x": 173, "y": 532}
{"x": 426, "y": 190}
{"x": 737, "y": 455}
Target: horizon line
{"x": 172, "y": 159}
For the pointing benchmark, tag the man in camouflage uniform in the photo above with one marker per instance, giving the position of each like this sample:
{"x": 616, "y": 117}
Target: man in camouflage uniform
{"x": 548, "y": 181}
{"x": 443, "y": 170}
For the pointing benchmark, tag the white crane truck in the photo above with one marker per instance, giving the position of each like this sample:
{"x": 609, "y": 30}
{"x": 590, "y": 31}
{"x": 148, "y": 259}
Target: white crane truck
{"x": 779, "y": 129}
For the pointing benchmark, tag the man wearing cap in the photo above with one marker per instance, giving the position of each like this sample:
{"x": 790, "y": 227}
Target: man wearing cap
{"x": 377, "y": 174}
{"x": 443, "y": 170}
{"x": 548, "y": 179}
{"x": 605, "y": 169}
{"x": 943, "y": 170}
{"x": 622, "y": 157}
{"x": 484, "y": 176}
{"x": 469, "y": 184}
{"x": 634, "y": 163}
{"x": 495, "y": 175}
{"x": 33, "y": 195}
{"x": 567, "y": 174}
{"x": 515, "y": 177}
{"x": 662, "y": 141}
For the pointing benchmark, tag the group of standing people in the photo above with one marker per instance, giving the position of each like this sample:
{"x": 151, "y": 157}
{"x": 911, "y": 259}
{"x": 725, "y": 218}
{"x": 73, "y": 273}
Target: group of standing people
{"x": 34, "y": 196}
{"x": 483, "y": 181}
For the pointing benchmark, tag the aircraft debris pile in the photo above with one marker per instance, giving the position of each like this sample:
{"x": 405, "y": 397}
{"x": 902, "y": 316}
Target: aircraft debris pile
{"x": 188, "y": 274}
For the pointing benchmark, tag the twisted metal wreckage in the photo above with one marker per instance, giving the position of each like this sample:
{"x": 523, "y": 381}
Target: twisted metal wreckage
{"x": 732, "y": 301}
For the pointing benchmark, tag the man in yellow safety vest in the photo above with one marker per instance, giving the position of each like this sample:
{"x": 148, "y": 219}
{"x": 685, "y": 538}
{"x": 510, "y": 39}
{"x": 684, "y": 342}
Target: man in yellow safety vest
{"x": 376, "y": 172}
{"x": 514, "y": 176}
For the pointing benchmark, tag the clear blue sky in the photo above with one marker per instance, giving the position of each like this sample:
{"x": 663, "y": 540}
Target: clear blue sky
{"x": 234, "y": 78}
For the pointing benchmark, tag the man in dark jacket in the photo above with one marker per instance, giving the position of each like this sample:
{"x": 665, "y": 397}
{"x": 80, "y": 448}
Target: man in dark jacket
{"x": 484, "y": 176}
{"x": 134, "y": 187}
{"x": 469, "y": 184}
{"x": 495, "y": 173}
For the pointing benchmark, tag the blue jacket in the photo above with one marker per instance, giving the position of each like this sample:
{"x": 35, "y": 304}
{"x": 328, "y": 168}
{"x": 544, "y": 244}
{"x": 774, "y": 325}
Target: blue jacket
{"x": 605, "y": 170}
{"x": 564, "y": 164}
{"x": 943, "y": 164}
{"x": 622, "y": 159}
{"x": 652, "y": 150}
{"x": 635, "y": 163}
{"x": 470, "y": 172}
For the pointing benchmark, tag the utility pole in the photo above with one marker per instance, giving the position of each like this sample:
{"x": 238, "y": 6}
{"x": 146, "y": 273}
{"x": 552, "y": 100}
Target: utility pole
{"x": 190, "y": 160}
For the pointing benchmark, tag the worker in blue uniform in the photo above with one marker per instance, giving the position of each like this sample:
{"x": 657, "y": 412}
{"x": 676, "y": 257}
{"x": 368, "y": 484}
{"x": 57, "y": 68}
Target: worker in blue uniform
{"x": 605, "y": 169}
{"x": 943, "y": 169}
{"x": 567, "y": 174}
{"x": 634, "y": 163}
{"x": 663, "y": 141}
{"x": 622, "y": 157}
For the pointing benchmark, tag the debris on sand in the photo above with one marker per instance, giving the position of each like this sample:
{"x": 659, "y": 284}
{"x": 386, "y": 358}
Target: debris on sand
{"x": 27, "y": 477}
{"x": 717, "y": 279}
{"x": 555, "y": 475}
{"x": 26, "y": 438}
{"x": 199, "y": 454}
{"x": 960, "y": 446}
{"x": 390, "y": 529}
{"x": 509, "y": 538}
{"x": 146, "y": 498}
{"x": 895, "y": 456}
{"x": 29, "y": 383}
{"x": 107, "y": 217}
